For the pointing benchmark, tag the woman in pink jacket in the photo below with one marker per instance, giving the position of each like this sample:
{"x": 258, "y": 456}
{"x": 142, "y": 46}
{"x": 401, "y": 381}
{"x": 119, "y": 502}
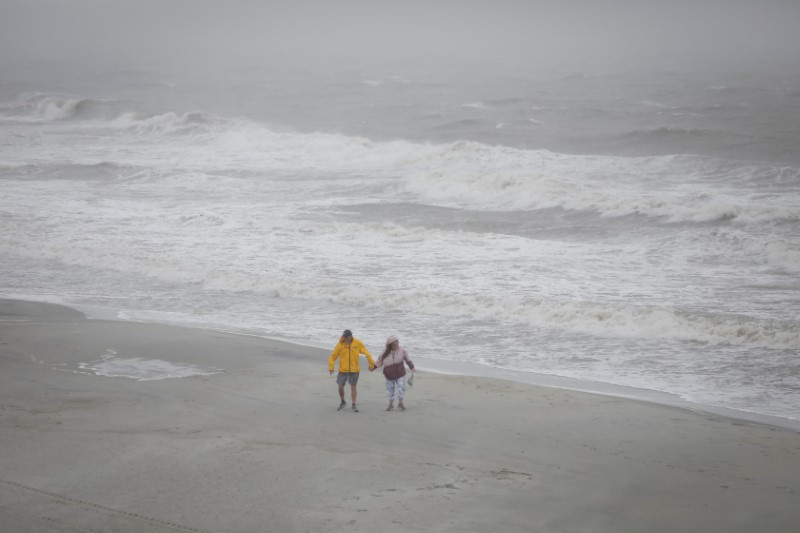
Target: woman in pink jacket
{"x": 393, "y": 360}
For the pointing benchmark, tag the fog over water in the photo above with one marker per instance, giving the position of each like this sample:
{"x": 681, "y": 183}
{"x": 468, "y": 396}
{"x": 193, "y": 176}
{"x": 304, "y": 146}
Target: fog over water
{"x": 601, "y": 190}
{"x": 208, "y": 34}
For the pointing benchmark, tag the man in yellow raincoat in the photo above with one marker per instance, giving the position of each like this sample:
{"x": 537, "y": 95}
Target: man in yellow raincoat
{"x": 348, "y": 352}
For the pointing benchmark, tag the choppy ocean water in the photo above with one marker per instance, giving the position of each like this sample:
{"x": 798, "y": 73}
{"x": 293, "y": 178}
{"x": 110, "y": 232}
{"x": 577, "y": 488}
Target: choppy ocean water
{"x": 639, "y": 230}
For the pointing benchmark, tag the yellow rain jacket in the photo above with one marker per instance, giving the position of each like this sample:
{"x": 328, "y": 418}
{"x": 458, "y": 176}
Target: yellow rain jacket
{"x": 348, "y": 355}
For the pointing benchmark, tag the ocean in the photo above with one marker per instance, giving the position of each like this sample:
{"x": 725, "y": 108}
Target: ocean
{"x": 633, "y": 228}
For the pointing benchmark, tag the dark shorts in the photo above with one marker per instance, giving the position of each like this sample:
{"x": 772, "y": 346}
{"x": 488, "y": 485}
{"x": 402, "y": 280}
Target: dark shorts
{"x": 345, "y": 377}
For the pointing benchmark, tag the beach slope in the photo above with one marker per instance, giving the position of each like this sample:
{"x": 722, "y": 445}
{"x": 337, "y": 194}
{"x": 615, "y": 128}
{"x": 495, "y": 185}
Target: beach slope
{"x": 224, "y": 432}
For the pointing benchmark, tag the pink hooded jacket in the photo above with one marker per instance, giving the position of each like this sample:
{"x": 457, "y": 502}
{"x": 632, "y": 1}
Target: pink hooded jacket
{"x": 392, "y": 364}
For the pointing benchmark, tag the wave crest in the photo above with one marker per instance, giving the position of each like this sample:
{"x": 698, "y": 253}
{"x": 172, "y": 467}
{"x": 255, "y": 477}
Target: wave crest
{"x": 463, "y": 174}
{"x": 469, "y": 175}
{"x": 584, "y": 317}
{"x": 169, "y": 123}
{"x": 46, "y": 108}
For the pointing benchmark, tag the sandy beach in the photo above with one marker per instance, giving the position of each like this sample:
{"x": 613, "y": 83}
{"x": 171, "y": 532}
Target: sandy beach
{"x": 251, "y": 441}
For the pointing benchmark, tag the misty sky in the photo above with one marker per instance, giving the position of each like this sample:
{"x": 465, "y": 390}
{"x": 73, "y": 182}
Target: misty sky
{"x": 204, "y": 33}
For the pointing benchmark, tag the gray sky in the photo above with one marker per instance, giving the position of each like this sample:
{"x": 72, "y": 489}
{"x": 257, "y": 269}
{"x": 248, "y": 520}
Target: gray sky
{"x": 198, "y": 33}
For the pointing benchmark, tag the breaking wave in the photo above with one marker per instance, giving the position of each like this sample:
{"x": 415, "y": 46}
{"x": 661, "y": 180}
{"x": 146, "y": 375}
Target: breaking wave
{"x": 462, "y": 174}
{"x": 38, "y": 107}
{"x": 584, "y": 317}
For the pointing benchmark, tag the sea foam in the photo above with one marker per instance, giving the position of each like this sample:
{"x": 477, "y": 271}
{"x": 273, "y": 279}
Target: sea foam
{"x": 142, "y": 369}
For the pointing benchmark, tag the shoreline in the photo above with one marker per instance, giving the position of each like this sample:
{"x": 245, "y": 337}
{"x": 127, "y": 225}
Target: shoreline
{"x": 463, "y": 368}
{"x": 553, "y": 381}
{"x": 259, "y": 441}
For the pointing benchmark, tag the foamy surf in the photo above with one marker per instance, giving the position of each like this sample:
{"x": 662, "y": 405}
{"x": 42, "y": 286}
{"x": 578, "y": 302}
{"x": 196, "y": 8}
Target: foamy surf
{"x": 463, "y": 174}
{"x": 142, "y": 369}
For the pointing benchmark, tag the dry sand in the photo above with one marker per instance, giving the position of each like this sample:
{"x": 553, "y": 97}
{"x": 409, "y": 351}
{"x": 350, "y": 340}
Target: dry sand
{"x": 260, "y": 446}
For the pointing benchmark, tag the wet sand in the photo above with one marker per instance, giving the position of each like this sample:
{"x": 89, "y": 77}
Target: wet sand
{"x": 259, "y": 445}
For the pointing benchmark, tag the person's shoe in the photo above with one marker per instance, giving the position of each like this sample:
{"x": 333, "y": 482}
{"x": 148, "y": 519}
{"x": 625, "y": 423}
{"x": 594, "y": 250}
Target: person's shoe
{"x": 342, "y": 405}
{"x": 355, "y": 409}
{"x": 401, "y": 406}
{"x": 391, "y": 406}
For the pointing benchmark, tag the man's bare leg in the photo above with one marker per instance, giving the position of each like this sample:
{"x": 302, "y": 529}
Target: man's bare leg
{"x": 353, "y": 394}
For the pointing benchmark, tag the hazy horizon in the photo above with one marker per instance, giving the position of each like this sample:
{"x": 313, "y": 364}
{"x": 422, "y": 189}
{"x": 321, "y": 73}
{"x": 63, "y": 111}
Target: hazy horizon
{"x": 206, "y": 36}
